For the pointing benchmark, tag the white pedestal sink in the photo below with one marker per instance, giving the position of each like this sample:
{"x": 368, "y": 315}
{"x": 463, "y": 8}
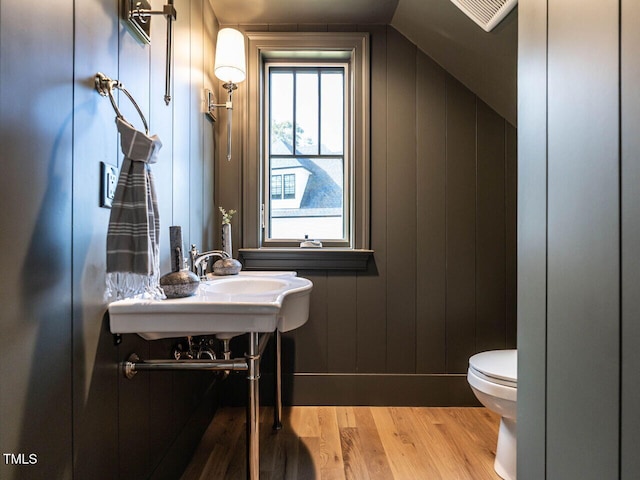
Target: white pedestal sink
{"x": 224, "y": 306}
{"x": 252, "y": 302}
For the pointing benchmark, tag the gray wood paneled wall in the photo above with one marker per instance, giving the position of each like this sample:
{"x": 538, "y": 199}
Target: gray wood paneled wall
{"x": 443, "y": 227}
{"x": 62, "y": 396}
{"x": 630, "y": 240}
{"x": 578, "y": 290}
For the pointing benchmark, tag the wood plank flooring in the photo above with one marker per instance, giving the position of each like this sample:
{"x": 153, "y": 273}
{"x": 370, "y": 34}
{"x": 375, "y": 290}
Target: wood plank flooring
{"x": 353, "y": 443}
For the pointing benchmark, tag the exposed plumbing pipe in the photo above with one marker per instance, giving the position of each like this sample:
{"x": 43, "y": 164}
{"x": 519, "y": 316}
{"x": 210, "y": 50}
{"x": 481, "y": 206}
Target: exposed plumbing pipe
{"x": 134, "y": 365}
{"x": 226, "y": 354}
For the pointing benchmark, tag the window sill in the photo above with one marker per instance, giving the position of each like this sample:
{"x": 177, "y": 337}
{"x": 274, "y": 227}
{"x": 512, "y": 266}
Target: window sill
{"x": 304, "y": 258}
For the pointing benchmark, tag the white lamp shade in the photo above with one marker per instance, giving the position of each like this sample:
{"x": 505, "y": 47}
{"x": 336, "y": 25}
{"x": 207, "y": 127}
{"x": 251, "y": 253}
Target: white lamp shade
{"x": 230, "y": 59}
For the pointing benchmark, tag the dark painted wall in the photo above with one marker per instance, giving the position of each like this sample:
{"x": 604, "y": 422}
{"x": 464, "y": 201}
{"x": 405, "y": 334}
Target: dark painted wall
{"x": 443, "y": 227}
{"x": 578, "y": 290}
{"x": 484, "y": 62}
{"x": 62, "y": 396}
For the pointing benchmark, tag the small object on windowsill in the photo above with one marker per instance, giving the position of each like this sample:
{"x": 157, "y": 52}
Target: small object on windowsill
{"x": 310, "y": 243}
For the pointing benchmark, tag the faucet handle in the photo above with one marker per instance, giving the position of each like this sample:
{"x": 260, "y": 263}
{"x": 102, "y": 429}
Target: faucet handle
{"x": 193, "y": 256}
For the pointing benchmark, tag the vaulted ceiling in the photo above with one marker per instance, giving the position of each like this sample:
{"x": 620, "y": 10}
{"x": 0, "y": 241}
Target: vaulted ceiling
{"x": 485, "y": 62}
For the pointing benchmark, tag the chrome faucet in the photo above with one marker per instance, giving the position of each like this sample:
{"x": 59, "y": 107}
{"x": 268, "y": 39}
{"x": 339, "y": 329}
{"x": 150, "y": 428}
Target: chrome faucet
{"x": 197, "y": 260}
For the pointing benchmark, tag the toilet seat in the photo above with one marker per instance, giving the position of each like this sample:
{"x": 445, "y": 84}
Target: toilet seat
{"x": 496, "y": 366}
{"x": 487, "y": 386}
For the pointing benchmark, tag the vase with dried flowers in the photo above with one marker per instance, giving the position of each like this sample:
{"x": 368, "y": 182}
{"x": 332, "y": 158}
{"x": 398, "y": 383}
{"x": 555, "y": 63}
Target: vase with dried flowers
{"x": 226, "y": 231}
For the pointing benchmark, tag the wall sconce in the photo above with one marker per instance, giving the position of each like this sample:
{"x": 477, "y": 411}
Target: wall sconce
{"x": 137, "y": 16}
{"x": 230, "y": 67}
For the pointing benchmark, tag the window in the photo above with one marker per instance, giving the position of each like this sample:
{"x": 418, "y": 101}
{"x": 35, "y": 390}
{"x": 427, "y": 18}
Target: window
{"x": 277, "y": 188}
{"x": 304, "y": 129}
{"x": 306, "y": 146}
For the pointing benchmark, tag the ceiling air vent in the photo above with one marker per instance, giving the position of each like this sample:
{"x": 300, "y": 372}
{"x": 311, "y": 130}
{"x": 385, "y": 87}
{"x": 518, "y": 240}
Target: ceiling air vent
{"x": 486, "y": 13}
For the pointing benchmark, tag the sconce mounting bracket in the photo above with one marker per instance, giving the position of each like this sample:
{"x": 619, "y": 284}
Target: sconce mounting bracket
{"x": 211, "y": 104}
{"x": 139, "y": 25}
{"x": 137, "y": 16}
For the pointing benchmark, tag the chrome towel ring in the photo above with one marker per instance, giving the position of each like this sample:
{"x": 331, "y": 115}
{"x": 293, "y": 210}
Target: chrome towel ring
{"x": 105, "y": 85}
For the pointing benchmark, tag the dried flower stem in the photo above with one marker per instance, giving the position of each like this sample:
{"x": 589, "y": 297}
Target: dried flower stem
{"x": 226, "y": 216}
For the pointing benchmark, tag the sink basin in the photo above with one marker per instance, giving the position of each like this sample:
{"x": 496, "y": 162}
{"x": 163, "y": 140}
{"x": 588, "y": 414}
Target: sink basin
{"x": 237, "y": 287}
{"x": 224, "y": 306}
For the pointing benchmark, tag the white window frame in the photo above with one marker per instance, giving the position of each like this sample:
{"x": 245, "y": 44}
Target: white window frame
{"x": 348, "y": 47}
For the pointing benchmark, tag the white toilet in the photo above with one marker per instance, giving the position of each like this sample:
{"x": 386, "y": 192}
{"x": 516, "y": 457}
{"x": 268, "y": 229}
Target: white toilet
{"x": 493, "y": 377}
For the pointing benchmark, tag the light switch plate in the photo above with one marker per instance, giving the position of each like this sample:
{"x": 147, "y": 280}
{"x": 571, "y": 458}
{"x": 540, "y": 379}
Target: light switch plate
{"x": 108, "y": 182}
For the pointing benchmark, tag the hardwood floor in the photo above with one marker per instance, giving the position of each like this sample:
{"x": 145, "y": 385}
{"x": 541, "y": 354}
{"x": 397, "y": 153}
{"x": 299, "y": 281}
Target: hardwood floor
{"x": 353, "y": 443}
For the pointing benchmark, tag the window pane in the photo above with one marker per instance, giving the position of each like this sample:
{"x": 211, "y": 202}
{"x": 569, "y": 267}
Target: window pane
{"x": 316, "y": 206}
{"x": 276, "y": 186}
{"x": 307, "y": 113}
{"x": 332, "y": 113}
{"x": 289, "y": 185}
{"x": 281, "y": 108}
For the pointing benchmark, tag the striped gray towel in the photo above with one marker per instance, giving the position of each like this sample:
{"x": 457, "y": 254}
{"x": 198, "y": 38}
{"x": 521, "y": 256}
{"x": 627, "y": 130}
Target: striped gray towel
{"x": 133, "y": 264}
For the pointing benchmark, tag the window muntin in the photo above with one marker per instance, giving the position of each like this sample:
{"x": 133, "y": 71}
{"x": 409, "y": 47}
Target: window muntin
{"x": 305, "y": 135}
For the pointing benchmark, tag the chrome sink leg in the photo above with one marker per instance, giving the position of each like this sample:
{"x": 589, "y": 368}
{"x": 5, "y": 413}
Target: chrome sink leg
{"x": 253, "y": 406}
{"x": 277, "y": 407}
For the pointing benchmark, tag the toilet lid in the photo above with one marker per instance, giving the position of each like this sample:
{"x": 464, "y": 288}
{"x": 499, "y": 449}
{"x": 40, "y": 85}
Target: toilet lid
{"x": 497, "y": 364}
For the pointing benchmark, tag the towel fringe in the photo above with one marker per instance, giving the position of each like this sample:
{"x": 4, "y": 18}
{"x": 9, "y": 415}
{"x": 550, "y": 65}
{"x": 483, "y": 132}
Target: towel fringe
{"x": 121, "y": 285}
